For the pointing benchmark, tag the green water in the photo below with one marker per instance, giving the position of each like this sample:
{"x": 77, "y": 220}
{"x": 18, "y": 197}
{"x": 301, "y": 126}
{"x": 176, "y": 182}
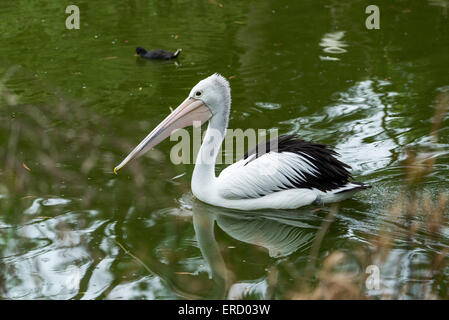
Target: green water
{"x": 73, "y": 103}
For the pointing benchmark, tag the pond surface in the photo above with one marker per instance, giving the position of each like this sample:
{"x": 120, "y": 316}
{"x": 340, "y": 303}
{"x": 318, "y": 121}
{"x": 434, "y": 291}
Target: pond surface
{"x": 73, "y": 103}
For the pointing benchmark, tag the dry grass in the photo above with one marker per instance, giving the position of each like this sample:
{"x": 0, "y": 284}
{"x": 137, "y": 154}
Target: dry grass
{"x": 415, "y": 214}
{"x": 62, "y": 149}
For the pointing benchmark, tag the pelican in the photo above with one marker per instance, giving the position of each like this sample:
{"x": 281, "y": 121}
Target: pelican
{"x": 283, "y": 173}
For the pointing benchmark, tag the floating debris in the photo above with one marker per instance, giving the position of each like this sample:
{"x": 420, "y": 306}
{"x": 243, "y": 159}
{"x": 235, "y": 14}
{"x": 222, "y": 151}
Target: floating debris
{"x": 28, "y": 197}
{"x": 184, "y": 272}
{"x": 108, "y": 58}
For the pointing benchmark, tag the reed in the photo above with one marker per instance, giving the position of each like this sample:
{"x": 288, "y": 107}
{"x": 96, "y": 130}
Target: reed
{"x": 414, "y": 214}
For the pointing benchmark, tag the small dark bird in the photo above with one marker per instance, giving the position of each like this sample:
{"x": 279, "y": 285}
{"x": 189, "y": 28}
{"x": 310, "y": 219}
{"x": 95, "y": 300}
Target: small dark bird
{"x": 157, "y": 54}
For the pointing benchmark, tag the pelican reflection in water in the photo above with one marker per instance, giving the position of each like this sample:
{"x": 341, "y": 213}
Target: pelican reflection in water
{"x": 264, "y": 236}
{"x": 278, "y": 232}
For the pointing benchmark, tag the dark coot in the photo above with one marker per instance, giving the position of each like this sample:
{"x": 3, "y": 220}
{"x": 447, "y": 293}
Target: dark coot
{"x": 157, "y": 54}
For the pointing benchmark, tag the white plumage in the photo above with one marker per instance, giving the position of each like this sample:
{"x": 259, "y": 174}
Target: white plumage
{"x": 252, "y": 178}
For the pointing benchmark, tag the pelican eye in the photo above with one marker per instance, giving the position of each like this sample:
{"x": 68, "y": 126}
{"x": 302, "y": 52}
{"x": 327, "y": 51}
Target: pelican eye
{"x": 198, "y": 94}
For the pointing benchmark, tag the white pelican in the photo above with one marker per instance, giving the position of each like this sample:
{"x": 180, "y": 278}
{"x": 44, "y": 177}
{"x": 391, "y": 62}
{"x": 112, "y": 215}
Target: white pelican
{"x": 295, "y": 174}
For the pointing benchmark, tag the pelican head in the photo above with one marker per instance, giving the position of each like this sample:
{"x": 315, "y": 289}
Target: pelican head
{"x": 215, "y": 92}
{"x": 210, "y": 99}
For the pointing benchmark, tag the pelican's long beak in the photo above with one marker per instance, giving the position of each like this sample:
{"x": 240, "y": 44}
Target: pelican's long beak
{"x": 190, "y": 111}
